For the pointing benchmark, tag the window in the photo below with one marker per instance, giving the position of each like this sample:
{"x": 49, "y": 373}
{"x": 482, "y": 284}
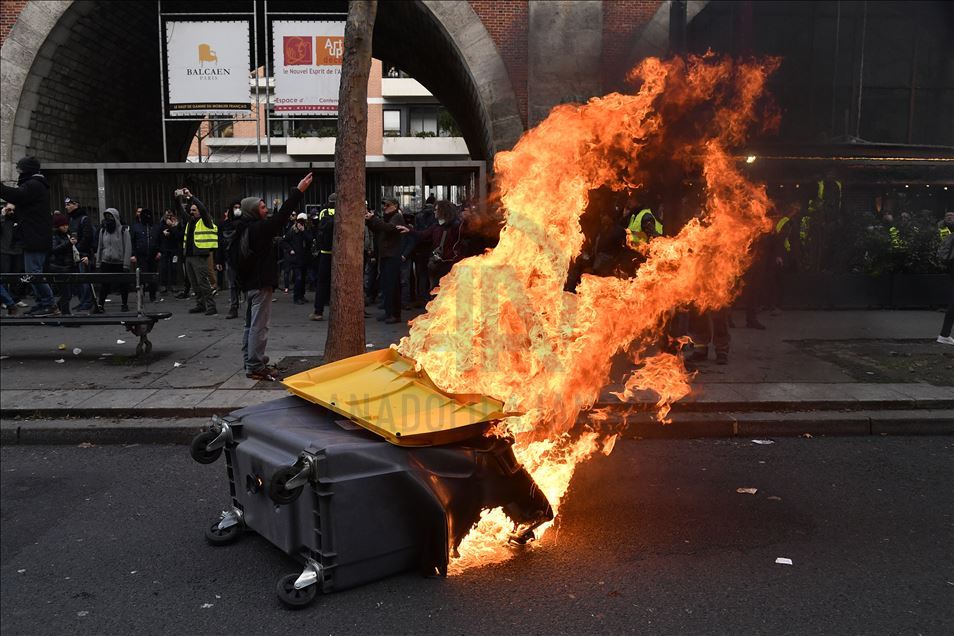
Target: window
{"x": 423, "y": 122}
{"x": 392, "y": 123}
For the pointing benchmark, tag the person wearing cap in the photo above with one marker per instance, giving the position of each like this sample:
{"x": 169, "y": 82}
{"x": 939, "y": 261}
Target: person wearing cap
{"x": 325, "y": 235}
{"x": 81, "y": 227}
{"x": 32, "y": 198}
{"x": 297, "y": 243}
{"x": 387, "y": 233}
{"x": 114, "y": 255}
{"x": 62, "y": 260}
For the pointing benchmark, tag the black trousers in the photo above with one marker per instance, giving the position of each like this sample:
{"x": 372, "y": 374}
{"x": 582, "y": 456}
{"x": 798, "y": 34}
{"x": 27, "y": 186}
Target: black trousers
{"x": 148, "y": 264}
{"x": 323, "y": 285}
{"x": 168, "y": 271}
{"x": 106, "y": 288}
{"x": 949, "y": 314}
{"x": 391, "y": 285}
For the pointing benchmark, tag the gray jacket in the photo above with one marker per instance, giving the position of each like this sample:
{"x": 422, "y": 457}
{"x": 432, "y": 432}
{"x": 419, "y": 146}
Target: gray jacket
{"x": 114, "y": 247}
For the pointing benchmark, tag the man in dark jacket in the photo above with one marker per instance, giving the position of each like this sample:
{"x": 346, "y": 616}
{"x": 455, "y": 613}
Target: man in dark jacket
{"x": 61, "y": 259}
{"x": 297, "y": 247}
{"x": 387, "y": 234}
{"x": 226, "y": 234}
{"x": 81, "y": 229}
{"x": 170, "y": 250}
{"x": 325, "y": 235}
{"x": 145, "y": 245}
{"x": 32, "y": 198}
{"x": 11, "y": 250}
{"x": 256, "y": 268}
{"x": 418, "y": 252}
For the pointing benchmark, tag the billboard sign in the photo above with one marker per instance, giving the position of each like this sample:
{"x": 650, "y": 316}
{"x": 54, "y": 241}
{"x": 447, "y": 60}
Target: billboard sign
{"x": 307, "y": 71}
{"x": 207, "y": 68}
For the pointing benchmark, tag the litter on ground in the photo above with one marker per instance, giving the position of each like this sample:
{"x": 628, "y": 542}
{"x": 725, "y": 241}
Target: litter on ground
{"x": 120, "y": 342}
{"x": 783, "y": 561}
{"x": 182, "y": 336}
{"x": 77, "y": 351}
{"x": 762, "y": 441}
{"x": 176, "y": 364}
{"x": 746, "y": 491}
{"x": 60, "y": 361}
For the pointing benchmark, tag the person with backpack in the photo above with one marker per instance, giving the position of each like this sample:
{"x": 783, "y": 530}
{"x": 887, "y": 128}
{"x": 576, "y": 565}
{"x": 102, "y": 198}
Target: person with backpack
{"x": 252, "y": 255}
{"x": 945, "y": 256}
{"x": 114, "y": 255}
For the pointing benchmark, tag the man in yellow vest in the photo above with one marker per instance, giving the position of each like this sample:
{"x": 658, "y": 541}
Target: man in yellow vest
{"x": 200, "y": 239}
{"x": 642, "y": 228}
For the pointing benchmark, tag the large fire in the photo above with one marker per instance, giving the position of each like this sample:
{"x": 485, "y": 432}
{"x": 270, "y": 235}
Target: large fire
{"x": 502, "y": 324}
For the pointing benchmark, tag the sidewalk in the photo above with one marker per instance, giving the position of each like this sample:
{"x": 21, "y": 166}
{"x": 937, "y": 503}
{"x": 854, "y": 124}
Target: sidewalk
{"x": 809, "y": 372}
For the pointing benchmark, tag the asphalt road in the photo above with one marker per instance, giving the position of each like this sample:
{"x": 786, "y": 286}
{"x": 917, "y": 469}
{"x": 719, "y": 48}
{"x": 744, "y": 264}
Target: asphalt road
{"x": 654, "y": 538}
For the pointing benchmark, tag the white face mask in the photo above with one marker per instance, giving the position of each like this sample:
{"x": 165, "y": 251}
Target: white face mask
{"x": 441, "y": 221}
{"x": 237, "y": 212}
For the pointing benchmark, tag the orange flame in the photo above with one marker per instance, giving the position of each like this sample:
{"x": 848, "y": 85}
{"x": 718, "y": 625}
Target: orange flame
{"x": 502, "y": 324}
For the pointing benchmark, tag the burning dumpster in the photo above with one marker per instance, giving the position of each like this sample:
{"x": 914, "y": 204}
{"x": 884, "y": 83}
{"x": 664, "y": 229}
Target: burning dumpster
{"x": 369, "y": 470}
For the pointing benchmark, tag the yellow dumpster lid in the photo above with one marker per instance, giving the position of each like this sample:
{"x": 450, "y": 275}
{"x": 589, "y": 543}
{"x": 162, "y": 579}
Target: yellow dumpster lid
{"x": 383, "y": 392}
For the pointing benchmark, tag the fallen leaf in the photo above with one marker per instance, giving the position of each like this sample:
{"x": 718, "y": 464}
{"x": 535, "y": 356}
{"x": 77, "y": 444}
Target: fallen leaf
{"x": 783, "y": 561}
{"x": 746, "y": 491}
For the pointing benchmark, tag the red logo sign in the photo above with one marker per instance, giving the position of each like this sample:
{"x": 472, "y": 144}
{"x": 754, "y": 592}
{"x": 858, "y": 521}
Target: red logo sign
{"x": 297, "y": 50}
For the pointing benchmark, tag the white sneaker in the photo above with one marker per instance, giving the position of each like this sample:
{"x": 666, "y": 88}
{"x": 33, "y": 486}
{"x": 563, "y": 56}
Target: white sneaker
{"x": 945, "y": 340}
{"x": 22, "y": 304}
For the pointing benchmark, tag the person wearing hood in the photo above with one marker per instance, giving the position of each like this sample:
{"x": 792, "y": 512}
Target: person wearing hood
{"x": 257, "y": 273}
{"x": 144, "y": 234}
{"x": 81, "y": 227}
{"x": 11, "y": 251}
{"x": 201, "y": 238}
{"x": 444, "y": 237}
{"x": 226, "y": 234}
{"x": 114, "y": 255}
{"x": 32, "y": 198}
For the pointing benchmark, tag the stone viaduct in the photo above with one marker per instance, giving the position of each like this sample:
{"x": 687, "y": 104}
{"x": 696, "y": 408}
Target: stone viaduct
{"x": 80, "y": 78}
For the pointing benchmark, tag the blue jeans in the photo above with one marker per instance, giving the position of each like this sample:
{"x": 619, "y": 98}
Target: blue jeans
{"x": 83, "y": 291}
{"x": 258, "y": 314}
{"x": 33, "y": 263}
{"x": 5, "y": 297}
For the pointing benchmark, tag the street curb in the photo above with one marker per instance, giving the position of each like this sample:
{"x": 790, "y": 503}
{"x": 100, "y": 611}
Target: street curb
{"x": 636, "y": 426}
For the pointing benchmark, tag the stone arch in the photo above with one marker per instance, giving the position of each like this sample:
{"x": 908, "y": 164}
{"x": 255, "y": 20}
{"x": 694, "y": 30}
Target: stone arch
{"x": 653, "y": 41}
{"x": 80, "y": 79}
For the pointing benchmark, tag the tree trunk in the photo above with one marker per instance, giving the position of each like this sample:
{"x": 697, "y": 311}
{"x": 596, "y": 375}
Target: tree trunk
{"x": 346, "y": 320}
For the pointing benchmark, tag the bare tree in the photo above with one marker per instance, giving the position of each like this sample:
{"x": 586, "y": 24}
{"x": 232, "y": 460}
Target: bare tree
{"x": 346, "y": 321}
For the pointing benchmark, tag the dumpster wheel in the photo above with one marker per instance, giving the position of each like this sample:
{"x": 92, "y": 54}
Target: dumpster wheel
{"x": 276, "y": 486}
{"x": 199, "y": 451}
{"x": 295, "y": 598}
{"x": 222, "y": 536}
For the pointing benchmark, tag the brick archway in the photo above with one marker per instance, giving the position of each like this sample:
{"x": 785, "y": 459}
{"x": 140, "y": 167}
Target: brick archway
{"x": 80, "y": 83}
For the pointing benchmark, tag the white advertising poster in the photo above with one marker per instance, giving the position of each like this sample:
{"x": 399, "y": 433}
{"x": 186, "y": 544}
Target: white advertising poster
{"x": 208, "y": 68}
{"x": 307, "y": 66}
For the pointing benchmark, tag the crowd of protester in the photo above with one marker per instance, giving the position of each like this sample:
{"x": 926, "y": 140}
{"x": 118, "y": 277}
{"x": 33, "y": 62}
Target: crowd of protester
{"x": 197, "y": 252}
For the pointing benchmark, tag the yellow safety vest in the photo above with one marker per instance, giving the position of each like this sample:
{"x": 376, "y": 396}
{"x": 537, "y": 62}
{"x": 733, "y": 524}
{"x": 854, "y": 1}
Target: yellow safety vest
{"x": 945, "y": 232}
{"x": 321, "y": 215}
{"x": 634, "y": 232}
{"x": 204, "y": 237}
{"x": 897, "y": 243}
{"x": 778, "y": 230}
